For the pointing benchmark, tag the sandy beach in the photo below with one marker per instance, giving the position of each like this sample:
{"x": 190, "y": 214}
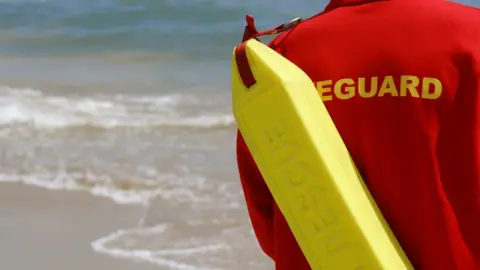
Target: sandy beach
{"x": 52, "y": 230}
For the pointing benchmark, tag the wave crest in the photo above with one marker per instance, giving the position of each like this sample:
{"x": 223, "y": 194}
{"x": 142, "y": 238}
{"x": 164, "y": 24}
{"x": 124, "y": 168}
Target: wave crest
{"x": 33, "y": 108}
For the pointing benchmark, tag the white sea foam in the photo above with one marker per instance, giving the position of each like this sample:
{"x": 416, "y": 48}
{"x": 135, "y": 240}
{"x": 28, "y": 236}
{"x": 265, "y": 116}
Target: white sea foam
{"x": 34, "y": 108}
{"x": 213, "y": 251}
{"x": 105, "y": 186}
{"x": 103, "y": 245}
{"x": 200, "y": 246}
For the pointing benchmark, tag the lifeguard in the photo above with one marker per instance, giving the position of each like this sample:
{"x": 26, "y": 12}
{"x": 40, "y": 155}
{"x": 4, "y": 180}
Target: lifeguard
{"x": 401, "y": 81}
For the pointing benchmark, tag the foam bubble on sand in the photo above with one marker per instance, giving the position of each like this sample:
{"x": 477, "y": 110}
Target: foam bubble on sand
{"x": 104, "y": 245}
{"x": 185, "y": 235}
{"x": 206, "y": 244}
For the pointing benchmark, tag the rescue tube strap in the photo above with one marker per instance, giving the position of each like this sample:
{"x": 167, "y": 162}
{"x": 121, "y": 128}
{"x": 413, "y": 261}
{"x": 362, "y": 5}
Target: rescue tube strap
{"x": 251, "y": 32}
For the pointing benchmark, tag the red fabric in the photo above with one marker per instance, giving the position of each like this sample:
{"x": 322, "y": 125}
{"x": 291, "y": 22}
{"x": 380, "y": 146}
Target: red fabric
{"x": 420, "y": 157}
{"x": 251, "y": 32}
{"x": 244, "y": 69}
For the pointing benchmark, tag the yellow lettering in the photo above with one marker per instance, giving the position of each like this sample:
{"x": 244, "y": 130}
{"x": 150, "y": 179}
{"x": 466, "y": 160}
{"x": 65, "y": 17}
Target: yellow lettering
{"x": 324, "y": 89}
{"x": 349, "y": 90}
{"x": 410, "y": 84}
{"x": 299, "y": 173}
{"x": 275, "y": 132}
{"x": 312, "y": 201}
{"x": 325, "y": 219}
{"x": 336, "y": 242}
{"x": 388, "y": 87}
{"x": 285, "y": 152}
{"x": 373, "y": 87}
{"x": 426, "y": 89}
{"x": 404, "y": 86}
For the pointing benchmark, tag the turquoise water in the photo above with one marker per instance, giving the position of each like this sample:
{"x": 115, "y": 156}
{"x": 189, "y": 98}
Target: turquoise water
{"x": 198, "y": 28}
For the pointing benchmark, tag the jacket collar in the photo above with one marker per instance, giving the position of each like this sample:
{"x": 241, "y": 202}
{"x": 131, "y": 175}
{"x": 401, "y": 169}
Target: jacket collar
{"x": 340, "y": 3}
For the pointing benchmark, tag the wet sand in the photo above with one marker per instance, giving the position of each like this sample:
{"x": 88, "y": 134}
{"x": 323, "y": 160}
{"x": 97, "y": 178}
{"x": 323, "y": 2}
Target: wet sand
{"x": 52, "y": 230}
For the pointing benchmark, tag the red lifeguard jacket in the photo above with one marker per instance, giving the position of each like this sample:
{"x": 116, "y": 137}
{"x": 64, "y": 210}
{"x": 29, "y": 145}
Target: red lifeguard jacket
{"x": 401, "y": 80}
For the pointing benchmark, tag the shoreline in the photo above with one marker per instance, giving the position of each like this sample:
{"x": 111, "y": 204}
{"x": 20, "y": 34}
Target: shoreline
{"x": 53, "y": 230}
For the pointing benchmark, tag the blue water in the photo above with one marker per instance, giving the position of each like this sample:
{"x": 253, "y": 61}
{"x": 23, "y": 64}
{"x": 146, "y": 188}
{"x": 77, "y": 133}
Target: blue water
{"x": 198, "y": 28}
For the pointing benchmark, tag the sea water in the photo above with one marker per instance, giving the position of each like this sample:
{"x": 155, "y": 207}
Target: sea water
{"x": 130, "y": 100}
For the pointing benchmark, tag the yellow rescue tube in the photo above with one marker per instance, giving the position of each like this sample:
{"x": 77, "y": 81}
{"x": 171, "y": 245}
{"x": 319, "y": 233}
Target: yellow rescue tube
{"x": 308, "y": 168}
